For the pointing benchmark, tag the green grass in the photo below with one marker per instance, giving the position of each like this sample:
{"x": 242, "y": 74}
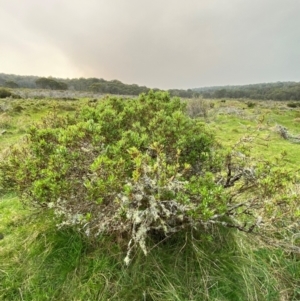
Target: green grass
{"x": 40, "y": 262}
{"x": 17, "y": 115}
{"x": 233, "y": 120}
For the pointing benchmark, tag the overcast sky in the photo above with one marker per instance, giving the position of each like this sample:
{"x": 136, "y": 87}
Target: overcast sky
{"x": 157, "y": 43}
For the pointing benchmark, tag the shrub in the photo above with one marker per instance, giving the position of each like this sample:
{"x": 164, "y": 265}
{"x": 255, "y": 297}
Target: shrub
{"x": 17, "y": 108}
{"x": 198, "y": 107}
{"x": 293, "y": 105}
{"x": 251, "y": 104}
{"x": 142, "y": 168}
{"x": 5, "y": 93}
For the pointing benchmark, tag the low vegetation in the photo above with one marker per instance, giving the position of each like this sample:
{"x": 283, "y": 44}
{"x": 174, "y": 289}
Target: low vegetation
{"x": 149, "y": 198}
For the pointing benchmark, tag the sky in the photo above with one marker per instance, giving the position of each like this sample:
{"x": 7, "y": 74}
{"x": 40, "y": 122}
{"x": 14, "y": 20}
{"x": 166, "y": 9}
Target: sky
{"x": 157, "y": 43}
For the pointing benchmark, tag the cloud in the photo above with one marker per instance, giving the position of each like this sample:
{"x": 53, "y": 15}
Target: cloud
{"x": 165, "y": 44}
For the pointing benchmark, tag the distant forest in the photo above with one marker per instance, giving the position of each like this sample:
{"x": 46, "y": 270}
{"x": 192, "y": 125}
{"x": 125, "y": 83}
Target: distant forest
{"x": 96, "y": 85}
{"x": 265, "y": 91}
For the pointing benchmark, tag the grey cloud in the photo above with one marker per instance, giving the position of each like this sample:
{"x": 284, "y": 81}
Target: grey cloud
{"x": 166, "y": 43}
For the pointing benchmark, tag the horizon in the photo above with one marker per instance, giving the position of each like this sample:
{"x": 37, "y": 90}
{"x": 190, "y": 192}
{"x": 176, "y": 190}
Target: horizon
{"x": 201, "y": 87}
{"x": 161, "y": 45}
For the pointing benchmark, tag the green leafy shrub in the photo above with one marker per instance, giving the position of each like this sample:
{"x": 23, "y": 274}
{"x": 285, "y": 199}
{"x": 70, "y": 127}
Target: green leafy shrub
{"x": 141, "y": 167}
{"x": 293, "y": 105}
{"x": 5, "y": 93}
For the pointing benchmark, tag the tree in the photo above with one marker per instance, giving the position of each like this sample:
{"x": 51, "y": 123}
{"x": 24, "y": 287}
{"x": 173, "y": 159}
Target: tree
{"x": 11, "y": 84}
{"x": 220, "y": 93}
{"x": 50, "y": 83}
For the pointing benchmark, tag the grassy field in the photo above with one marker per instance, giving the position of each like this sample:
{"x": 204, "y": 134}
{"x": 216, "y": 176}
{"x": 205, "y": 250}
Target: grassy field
{"x": 39, "y": 262}
{"x": 233, "y": 119}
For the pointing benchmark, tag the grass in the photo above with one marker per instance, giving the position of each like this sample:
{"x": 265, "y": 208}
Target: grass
{"x": 39, "y": 262}
{"x": 17, "y": 115}
{"x": 233, "y": 120}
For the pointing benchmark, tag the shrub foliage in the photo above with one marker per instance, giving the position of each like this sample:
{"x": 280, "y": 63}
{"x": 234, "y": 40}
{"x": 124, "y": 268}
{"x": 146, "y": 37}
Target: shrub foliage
{"x": 5, "y": 93}
{"x": 140, "y": 169}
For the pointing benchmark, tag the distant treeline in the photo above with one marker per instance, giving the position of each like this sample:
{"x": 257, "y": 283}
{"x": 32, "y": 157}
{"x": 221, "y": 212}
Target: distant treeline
{"x": 265, "y": 91}
{"x": 96, "y": 85}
